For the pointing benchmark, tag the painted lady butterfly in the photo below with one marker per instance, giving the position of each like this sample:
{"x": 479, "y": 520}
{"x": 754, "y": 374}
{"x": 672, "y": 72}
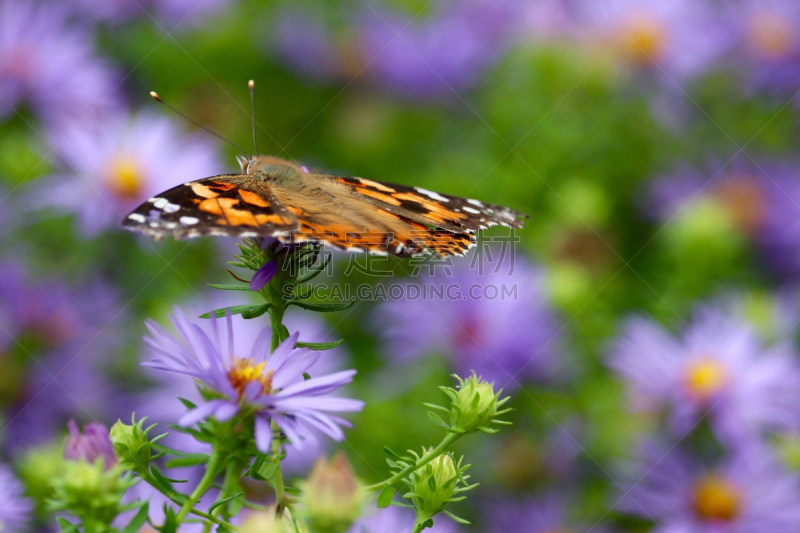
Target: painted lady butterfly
{"x": 277, "y": 198}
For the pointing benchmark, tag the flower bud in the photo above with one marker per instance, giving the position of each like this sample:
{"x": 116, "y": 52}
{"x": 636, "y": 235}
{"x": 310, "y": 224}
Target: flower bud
{"x": 131, "y": 445}
{"x": 89, "y": 491}
{"x": 332, "y": 497}
{"x": 37, "y": 468}
{"x": 433, "y": 485}
{"x": 474, "y": 405}
{"x": 93, "y": 445}
{"x": 268, "y": 522}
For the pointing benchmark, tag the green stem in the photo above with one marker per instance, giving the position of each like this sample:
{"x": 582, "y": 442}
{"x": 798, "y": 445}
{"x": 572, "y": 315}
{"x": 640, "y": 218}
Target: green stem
{"x": 276, "y": 311}
{"x": 212, "y": 470}
{"x": 280, "y": 491}
{"x": 417, "y": 526}
{"x": 449, "y": 439}
{"x": 148, "y": 478}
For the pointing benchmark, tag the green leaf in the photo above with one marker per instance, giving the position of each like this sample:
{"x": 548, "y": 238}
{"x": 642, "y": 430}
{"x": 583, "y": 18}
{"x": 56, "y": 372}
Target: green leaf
{"x": 138, "y": 521}
{"x": 67, "y": 526}
{"x": 260, "y": 458}
{"x": 323, "y": 307}
{"x": 256, "y": 311}
{"x": 170, "y": 520}
{"x": 193, "y": 459}
{"x": 229, "y": 286}
{"x": 385, "y": 497}
{"x": 436, "y": 419}
{"x": 235, "y": 310}
{"x": 320, "y": 345}
{"x": 456, "y": 518}
{"x": 223, "y": 502}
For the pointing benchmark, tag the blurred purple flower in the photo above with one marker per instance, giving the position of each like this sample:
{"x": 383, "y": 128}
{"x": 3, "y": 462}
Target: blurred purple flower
{"x": 59, "y": 337}
{"x": 393, "y": 519}
{"x": 675, "y": 39}
{"x": 716, "y": 367}
{"x": 768, "y": 33}
{"x": 749, "y": 492}
{"x": 506, "y": 340}
{"x": 175, "y": 14}
{"x": 272, "y": 384}
{"x": 540, "y": 515}
{"x": 761, "y": 200}
{"x": 15, "y": 511}
{"x": 112, "y": 166}
{"x": 449, "y": 50}
{"x": 304, "y": 40}
{"x": 50, "y": 64}
{"x": 93, "y": 444}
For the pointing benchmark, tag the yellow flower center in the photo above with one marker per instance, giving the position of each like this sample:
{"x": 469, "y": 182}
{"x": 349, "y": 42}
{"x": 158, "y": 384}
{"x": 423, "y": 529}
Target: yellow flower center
{"x": 717, "y": 500}
{"x": 644, "y": 39}
{"x": 705, "y": 377}
{"x": 243, "y": 372}
{"x": 744, "y": 201}
{"x": 125, "y": 177}
{"x": 771, "y": 35}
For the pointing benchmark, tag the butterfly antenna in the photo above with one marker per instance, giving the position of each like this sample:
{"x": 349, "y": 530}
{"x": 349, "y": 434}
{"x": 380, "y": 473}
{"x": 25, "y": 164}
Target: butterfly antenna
{"x": 158, "y": 99}
{"x": 251, "y": 85}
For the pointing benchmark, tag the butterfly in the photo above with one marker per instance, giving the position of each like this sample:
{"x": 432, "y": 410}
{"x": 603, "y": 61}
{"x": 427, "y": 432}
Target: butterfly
{"x": 277, "y": 198}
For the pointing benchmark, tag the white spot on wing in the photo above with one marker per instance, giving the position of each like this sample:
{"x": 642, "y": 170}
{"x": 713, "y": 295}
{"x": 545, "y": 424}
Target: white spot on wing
{"x": 171, "y": 208}
{"x": 431, "y": 194}
{"x": 471, "y": 210}
{"x": 159, "y": 203}
{"x": 136, "y": 217}
{"x": 475, "y": 202}
{"x": 188, "y": 221}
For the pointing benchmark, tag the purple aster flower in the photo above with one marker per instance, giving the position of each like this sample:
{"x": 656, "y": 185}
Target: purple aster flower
{"x": 505, "y": 340}
{"x": 393, "y": 519}
{"x": 449, "y": 50}
{"x": 304, "y": 40}
{"x": 93, "y": 444}
{"x": 49, "y": 63}
{"x": 717, "y": 367}
{"x": 271, "y": 385}
{"x": 768, "y": 33}
{"x": 759, "y": 200}
{"x": 114, "y": 165}
{"x": 540, "y": 515}
{"x": 161, "y": 404}
{"x": 180, "y": 13}
{"x": 15, "y": 512}
{"x": 673, "y": 38}
{"x": 60, "y": 336}
{"x": 748, "y": 492}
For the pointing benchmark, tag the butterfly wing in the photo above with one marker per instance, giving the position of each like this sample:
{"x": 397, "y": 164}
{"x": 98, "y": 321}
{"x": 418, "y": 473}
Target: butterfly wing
{"x": 348, "y": 223}
{"x": 440, "y": 210}
{"x": 230, "y": 204}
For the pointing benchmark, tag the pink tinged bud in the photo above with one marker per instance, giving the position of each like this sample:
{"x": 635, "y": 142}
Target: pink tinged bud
{"x": 90, "y": 446}
{"x": 264, "y": 274}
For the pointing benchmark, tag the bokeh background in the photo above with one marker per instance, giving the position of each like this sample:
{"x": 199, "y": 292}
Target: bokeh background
{"x": 651, "y": 355}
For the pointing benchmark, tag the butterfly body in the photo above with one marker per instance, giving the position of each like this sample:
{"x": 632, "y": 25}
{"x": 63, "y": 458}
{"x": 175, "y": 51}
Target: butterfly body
{"x": 277, "y": 198}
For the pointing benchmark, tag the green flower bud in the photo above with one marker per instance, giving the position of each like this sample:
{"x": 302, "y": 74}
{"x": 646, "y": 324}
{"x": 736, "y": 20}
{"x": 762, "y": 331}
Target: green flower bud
{"x": 267, "y": 522}
{"x": 474, "y": 405}
{"x": 433, "y": 486}
{"x": 37, "y": 468}
{"x": 332, "y": 497}
{"x": 131, "y": 445}
{"x": 89, "y": 491}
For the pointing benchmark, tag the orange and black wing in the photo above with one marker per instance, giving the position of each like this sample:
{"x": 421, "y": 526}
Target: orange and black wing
{"x": 233, "y": 205}
{"x": 440, "y": 210}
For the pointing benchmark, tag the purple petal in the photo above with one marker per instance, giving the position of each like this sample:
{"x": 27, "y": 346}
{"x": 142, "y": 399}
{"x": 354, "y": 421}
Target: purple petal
{"x": 264, "y": 274}
{"x": 200, "y": 413}
{"x": 263, "y": 434}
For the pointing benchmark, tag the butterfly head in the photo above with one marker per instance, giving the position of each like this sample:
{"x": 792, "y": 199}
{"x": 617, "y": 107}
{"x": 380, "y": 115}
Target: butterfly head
{"x": 265, "y": 163}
